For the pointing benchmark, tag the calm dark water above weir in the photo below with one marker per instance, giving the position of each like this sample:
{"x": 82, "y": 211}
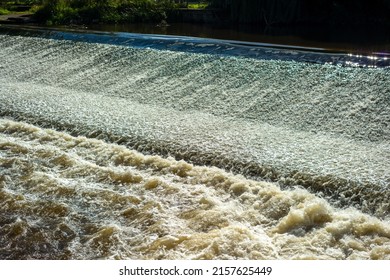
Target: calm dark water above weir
{"x": 117, "y": 146}
{"x": 353, "y": 39}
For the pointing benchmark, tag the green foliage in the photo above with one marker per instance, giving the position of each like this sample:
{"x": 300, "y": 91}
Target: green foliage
{"x": 306, "y": 11}
{"x": 87, "y": 11}
{"x": 266, "y": 12}
{"x": 34, "y": 8}
{"x": 54, "y": 11}
{"x": 197, "y": 6}
{"x": 4, "y": 11}
{"x": 5, "y": 3}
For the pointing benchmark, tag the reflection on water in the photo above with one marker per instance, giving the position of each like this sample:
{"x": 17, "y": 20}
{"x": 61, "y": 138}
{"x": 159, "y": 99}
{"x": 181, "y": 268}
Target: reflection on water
{"x": 353, "y": 39}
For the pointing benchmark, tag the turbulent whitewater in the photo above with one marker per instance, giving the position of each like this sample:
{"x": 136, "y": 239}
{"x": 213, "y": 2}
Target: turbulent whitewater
{"x": 113, "y": 151}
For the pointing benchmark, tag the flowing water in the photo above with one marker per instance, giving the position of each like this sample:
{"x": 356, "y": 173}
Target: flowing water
{"x": 149, "y": 147}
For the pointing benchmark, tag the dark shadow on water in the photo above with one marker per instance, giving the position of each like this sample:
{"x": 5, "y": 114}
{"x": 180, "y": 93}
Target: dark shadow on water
{"x": 365, "y": 40}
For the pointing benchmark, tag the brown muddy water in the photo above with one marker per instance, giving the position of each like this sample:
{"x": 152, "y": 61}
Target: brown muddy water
{"x": 121, "y": 152}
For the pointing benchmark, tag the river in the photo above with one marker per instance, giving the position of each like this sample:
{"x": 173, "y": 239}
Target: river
{"x": 118, "y": 146}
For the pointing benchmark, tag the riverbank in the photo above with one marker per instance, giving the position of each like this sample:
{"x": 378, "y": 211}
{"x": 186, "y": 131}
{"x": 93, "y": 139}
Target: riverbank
{"x": 259, "y": 13}
{"x": 24, "y": 18}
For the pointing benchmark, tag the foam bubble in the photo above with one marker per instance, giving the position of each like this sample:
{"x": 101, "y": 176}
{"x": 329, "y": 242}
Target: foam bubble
{"x": 206, "y": 213}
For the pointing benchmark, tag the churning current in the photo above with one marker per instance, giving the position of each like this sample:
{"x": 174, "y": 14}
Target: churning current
{"x": 117, "y": 152}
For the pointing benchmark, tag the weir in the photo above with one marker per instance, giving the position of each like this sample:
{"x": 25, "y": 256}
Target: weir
{"x": 275, "y": 117}
{"x": 321, "y": 126}
{"x": 220, "y": 47}
{"x": 111, "y": 147}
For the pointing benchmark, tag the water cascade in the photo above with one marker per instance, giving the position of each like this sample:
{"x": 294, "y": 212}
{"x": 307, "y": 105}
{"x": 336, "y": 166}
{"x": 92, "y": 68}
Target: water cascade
{"x": 179, "y": 148}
